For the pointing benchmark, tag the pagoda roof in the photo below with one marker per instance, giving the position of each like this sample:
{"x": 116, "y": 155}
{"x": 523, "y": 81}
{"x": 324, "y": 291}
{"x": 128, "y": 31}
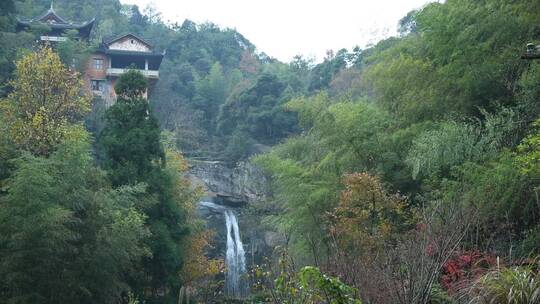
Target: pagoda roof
{"x": 70, "y": 25}
{"x": 51, "y": 15}
{"x": 54, "y": 21}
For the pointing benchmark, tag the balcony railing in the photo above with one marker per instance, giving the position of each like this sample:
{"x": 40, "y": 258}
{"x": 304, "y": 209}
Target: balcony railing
{"x": 146, "y": 73}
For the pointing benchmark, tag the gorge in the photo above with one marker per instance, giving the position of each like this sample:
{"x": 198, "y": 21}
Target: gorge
{"x": 406, "y": 171}
{"x": 229, "y": 190}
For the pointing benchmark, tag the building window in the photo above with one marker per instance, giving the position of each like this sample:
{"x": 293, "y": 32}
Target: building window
{"x": 98, "y": 63}
{"x": 98, "y": 85}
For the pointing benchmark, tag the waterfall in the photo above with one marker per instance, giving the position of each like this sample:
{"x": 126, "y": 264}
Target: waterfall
{"x": 236, "y": 283}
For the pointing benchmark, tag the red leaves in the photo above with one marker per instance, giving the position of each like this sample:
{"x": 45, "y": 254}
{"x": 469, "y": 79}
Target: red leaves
{"x": 465, "y": 267}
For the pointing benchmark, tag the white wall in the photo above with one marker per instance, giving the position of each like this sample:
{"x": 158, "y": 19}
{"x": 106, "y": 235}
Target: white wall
{"x": 129, "y": 44}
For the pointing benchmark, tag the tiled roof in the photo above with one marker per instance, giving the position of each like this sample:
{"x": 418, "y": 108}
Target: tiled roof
{"x": 59, "y": 22}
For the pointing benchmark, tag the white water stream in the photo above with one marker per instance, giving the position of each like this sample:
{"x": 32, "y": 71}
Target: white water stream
{"x": 235, "y": 257}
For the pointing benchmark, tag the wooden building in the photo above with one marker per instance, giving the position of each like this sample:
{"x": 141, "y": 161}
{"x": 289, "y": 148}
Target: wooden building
{"x": 113, "y": 57}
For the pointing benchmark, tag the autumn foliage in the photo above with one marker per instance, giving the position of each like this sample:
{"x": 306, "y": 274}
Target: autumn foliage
{"x": 464, "y": 268}
{"x": 46, "y": 99}
{"x": 365, "y": 213}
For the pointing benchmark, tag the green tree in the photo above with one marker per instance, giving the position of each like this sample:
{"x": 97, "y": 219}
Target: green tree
{"x": 6, "y": 9}
{"x": 67, "y": 237}
{"x": 131, "y": 137}
{"x": 258, "y": 111}
{"x": 133, "y": 155}
{"x": 211, "y": 93}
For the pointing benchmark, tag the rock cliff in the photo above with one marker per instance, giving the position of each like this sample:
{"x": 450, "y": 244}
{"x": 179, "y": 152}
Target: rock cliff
{"x": 230, "y": 185}
{"x": 235, "y": 188}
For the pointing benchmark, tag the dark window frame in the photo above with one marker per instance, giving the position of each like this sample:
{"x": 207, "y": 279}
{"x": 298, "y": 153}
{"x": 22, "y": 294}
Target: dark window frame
{"x": 98, "y": 85}
{"x": 98, "y": 63}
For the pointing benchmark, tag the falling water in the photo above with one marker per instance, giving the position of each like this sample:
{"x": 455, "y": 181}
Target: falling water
{"x": 235, "y": 281}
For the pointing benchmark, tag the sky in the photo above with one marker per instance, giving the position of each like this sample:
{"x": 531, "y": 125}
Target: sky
{"x": 285, "y": 28}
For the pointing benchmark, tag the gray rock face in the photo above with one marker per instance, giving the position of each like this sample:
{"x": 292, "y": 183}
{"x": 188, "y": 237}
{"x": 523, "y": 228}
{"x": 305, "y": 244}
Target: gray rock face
{"x": 231, "y": 188}
{"x": 235, "y": 186}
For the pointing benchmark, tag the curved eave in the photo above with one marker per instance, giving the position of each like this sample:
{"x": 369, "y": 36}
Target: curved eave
{"x": 86, "y": 28}
{"x": 83, "y": 28}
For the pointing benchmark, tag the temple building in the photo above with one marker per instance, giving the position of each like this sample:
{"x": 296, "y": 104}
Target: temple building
{"x": 113, "y": 57}
{"x": 54, "y": 27}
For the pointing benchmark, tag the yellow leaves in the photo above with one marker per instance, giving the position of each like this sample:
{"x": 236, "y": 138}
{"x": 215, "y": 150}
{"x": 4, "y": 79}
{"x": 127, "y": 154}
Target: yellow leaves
{"x": 46, "y": 99}
{"x": 363, "y": 190}
{"x": 176, "y": 161}
{"x": 197, "y": 265}
{"x": 366, "y": 213}
{"x": 186, "y": 194}
{"x": 37, "y": 119}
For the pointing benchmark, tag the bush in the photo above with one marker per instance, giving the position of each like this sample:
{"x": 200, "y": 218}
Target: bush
{"x": 519, "y": 285}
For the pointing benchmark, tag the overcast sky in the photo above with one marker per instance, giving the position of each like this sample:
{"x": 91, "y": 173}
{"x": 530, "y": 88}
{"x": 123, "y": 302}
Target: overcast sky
{"x": 285, "y": 28}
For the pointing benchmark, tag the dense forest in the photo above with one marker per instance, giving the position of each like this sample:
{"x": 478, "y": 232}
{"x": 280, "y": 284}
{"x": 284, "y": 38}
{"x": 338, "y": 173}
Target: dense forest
{"x": 404, "y": 172}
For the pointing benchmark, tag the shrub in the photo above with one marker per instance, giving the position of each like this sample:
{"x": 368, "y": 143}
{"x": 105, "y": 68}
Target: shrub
{"x": 464, "y": 267}
{"x": 518, "y": 285}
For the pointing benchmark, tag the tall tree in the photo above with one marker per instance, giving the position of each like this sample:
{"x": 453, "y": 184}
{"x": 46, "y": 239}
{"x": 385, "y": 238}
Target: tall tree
{"x": 133, "y": 155}
{"x": 211, "y": 94}
{"x": 67, "y": 237}
{"x": 131, "y": 136}
{"x": 46, "y": 98}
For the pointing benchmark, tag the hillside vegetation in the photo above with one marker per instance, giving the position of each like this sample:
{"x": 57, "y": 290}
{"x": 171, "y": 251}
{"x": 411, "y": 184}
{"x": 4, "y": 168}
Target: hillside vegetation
{"x": 404, "y": 172}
